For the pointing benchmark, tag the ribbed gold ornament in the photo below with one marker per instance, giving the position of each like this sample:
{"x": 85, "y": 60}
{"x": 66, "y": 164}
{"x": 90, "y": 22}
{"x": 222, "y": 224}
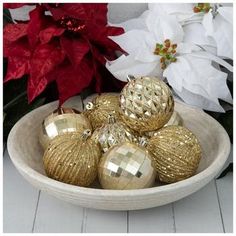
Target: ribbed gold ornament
{"x": 60, "y": 121}
{"x": 126, "y": 166}
{"x": 101, "y": 106}
{"x": 72, "y": 158}
{"x": 175, "y": 119}
{"x": 113, "y": 133}
{"x": 177, "y": 153}
{"x": 146, "y": 104}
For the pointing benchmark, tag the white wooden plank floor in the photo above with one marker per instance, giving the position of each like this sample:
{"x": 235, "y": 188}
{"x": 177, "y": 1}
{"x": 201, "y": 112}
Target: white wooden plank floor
{"x": 27, "y": 209}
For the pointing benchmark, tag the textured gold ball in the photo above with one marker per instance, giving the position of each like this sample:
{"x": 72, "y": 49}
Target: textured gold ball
{"x": 175, "y": 119}
{"x": 62, "y": 120}
{"x": 113, "y": 133}
{"x": 126, "y": 166}
{"x": 176, "y": 152}
{"x": 72, "y": 159}
{"x": 101, "y": 106}
{"x": 146, "y": 104}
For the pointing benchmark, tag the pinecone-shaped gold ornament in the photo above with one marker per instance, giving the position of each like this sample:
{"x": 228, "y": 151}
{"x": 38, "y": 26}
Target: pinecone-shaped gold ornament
{"x": 62, "y": 120}
{"x": 146, "y": 104}
{"x": 176, "y": 152}
{"x": 72, "y": 158}
{"x": 101, "y": 106}
{"x": 113, "y": 133}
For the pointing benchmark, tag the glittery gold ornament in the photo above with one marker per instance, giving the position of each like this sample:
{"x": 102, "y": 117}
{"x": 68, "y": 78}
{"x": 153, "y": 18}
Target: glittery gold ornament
{"x": 60, "y": 121}
{"x": 176, "y": 153}
{"x": 174, "y": 120}
{"x": 72, "y": 158}
{"x": 113, "y": 133}
{"x": 146, "y": 104}
{"x": 101, "y": 106}
{"x": 126, "y": 166}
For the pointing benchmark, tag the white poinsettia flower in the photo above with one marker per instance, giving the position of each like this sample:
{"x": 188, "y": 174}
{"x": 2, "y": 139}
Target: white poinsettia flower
{"x": 205, "y": 24}
{"x": 160, "y": 50}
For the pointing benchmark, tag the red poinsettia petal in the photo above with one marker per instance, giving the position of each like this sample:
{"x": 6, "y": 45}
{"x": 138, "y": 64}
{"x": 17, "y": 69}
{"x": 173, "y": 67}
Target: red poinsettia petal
{"x": 75, "y": 48}
{"x": 68, "y": 9}
{"x": 12, "y": 32}
{"x": 47, "y": 34}
{"x": 33, "y": 89}
{"x": 96, "y": 12}
{"x": 35, "y": 25}
{"x": 71, "y": 80}
{"x": 16, "y": 68}
{"x": 14, "y": 5}
{"x": 19, "y": 48}
{"x": 45, "y": 58}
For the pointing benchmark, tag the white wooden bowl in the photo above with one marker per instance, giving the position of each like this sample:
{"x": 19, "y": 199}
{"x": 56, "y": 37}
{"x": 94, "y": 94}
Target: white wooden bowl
{"x": 26, "y": 154}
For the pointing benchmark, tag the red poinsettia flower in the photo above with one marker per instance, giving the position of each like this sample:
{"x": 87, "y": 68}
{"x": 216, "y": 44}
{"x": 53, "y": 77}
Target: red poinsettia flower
{"x": 67, "y": 43}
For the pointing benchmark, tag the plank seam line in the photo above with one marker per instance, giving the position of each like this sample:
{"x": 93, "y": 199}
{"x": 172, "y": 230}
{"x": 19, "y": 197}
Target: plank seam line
{"x": 127, "y": 220}
{"x": 84, "y": 221}
{"x": 218, "y": 199}
{"x": 173, "y": 216}
{"x": 36, "y": 211}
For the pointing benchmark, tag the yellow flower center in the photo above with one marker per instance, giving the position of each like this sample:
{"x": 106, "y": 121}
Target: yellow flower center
{"x": 167, "y": 51}
{"x": 202, "y": 7}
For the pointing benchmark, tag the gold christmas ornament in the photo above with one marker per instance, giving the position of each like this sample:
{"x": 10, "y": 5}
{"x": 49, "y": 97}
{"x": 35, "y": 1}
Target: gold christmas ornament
{"x": 146, "y": 103}
{"x": 101, "y": 106}
{"x": 72, "y": 158}
{"x": 62, "y": 120}
{"x": 126, "y": 166}
{"x": 176, "y": 152}
{"x": 174, "y": 120}
{"x": 113, "y": 133}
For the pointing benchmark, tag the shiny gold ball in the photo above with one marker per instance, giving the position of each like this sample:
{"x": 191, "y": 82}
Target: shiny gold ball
{"x": 101, "y": 106}
{"x": 175, "y": 119}
{"x": 126, "y": 166}
{"x": 176, "y": 152}
{"x": 146, "y": 104}
{"x": 113, "y": 133}
{"x": 72, "y": 158}
{"x": 62, "y": 120}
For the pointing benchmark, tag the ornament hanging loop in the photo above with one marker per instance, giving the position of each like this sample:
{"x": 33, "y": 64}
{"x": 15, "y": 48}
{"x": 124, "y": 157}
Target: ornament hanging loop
{"x": 89, "y": 106}
{"x": 130, "y": 78}
{"x": 87, "y": 133}
{"x": 111, "y": 118}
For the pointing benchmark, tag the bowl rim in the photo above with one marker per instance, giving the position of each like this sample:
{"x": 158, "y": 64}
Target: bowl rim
{"x": 211, "y": 170}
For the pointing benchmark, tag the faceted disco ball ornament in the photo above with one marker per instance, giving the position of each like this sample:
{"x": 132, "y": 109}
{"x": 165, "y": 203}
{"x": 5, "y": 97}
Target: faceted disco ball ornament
{"x": 146, "y": 103}
{"x": 101, "y": 106}
{"x": 113, "y": 133}
{"x": 62, "y": 120}
{"x": 176, "y": 152}
{"x": 175, "y": 119}
{"x": 126, "y": 166}
{"x": 72, "y": 158}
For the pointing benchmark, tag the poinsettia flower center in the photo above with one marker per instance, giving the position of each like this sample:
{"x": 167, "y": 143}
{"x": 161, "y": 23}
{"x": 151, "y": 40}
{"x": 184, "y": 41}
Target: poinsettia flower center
{"x": 72, "y": 24}
{"x": 167, "y": 51}
{"x": 202, "y": 7}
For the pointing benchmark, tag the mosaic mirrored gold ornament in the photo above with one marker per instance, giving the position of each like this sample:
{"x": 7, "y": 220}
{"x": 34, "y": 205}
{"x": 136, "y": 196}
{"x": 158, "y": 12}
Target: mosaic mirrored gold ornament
{"x": 175, "y": 119}
{"x": 101, "y": 106}
{"x": 62, "y": 120}
{"x": 72, "y": 158}
{"x": 126, "y": 166}
{"x": 146, "y": 104}
{"x": 113, "y": 133}
{"x": 176, "y": 152}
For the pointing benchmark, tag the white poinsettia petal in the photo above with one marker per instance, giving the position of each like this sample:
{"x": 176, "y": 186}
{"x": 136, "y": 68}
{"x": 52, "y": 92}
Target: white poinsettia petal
{"x": 183, "y": 48}
{"x": 205, "y": 80}
{"x": 207, "y": 23}
{"x": 226, "y": 13}
{"x": 198, "y": 101}
{"x": 135, "y": 40}
{"x": 136, "y": 23}
{"x": 195, "y": 33}
{"x": 164, "y": 27}
{"x": 126, "y": 65}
